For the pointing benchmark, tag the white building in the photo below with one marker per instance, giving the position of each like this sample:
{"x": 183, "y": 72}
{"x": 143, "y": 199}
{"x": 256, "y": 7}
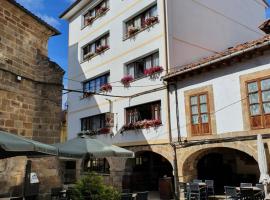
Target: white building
{"x": 110, "y": 39}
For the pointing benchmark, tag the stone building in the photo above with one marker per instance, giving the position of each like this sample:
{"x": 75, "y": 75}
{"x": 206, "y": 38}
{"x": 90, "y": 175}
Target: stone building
{"x": 30, "y": 91}
{"x": 123, "y": 48}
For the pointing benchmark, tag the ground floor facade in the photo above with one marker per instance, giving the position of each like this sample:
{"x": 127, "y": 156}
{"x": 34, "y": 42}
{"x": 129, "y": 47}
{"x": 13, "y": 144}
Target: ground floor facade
{"x": 227, "y": 162}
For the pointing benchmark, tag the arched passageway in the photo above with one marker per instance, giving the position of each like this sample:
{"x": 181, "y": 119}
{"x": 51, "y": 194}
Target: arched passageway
{"x": 227, "y": 167}
{"x": 145, "y": 171}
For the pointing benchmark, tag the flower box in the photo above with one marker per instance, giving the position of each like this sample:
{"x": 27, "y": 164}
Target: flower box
{"x": 88, "y": 55}
{"x": 87, "y": 94}
{"x": 145, "y": 124}
{"x": 101, "y": 48}
{"x": 101, "y": 10}
{"x": 90, "y": 20}
{"x": 106, "y": 88}
{"x": 104, "y": 130}
{"x": 126, "y": 80}
{"x": 132, "y": 30}
{"x": 153, "y": 70}
{"x": 151, "y": 20}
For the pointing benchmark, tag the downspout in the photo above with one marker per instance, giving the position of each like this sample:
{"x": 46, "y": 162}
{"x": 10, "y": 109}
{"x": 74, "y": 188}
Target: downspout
{"x": 175, "y": 168}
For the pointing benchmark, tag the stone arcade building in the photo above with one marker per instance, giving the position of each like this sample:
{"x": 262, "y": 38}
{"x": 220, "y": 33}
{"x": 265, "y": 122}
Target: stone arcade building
{"x": 30, "y": 91}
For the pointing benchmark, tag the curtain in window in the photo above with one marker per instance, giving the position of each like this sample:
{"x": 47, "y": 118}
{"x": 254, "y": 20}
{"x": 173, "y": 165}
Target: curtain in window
{"x": 137, "y": 22}
{"x": 103, "y": 41}
{"x": 93, "y": 48}
{"x": 153, "y": 11}
{"x": 155, "y": 60}
{"x": 131, "y": 69}
{"x": 148, "y": 62}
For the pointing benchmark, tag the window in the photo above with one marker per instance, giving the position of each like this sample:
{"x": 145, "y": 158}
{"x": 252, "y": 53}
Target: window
{"x": 200, "y": 116}
{"x": 94, "y": 85}
{"x": 150, "y": 111}
{"x": 93, "y": 123}
{"x": 141, "y": 21}
{"x": 95, "y": 12}
{"x": 99, "y": 165}
{"x": 96, "y": 47}
{"x": 137, "y": 68}
{"x": 259, "y": 103}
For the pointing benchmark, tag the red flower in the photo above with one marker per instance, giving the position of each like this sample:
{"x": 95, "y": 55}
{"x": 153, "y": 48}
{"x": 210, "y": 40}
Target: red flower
{"x": 102, "y": 10}
{"x": 153, "y": 70}
{"x": 104, "y": 130}
{"x": 142, "y": 124}
{"x": 132, "y": 30}
{"x": 90, "y": 20}
{"x": 149, "y": 21}
{"x": 126, "y": 80}
{"x": 106, "y": 88}
{"x": 101, "y": 48}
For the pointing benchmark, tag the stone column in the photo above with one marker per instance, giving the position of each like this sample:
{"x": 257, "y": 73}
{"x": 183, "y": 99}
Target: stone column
{"x": 117, "y": 170}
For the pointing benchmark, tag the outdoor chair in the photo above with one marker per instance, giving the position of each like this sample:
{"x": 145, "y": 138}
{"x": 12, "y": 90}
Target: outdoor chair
{"x": 142, "y": 195}
{"x": 242, "y": 185}
{"x": 184, "y": 189}
{"x": 259, "y": 195}
{"x": 231, "y": 193}
{"x": 195, "y": 192}
{"x": 246, "y": 194}
{"x": 210, "y": 187}
{"x": 126, "y": 196}
{"x": 197, "y": 181}
{"x": 55, "y": 193}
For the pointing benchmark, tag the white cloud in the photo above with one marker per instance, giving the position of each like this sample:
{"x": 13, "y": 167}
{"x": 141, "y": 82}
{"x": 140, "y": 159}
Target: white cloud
{"x": 32, "y": 5}
{"x": 50, "y": 20}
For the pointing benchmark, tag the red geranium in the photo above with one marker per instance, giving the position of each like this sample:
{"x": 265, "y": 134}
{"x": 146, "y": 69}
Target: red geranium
{"x": 101, "y": 48}
{"x": 153, "y": 70}
{"x": 126, "y": 80}
{"x": 149, "y": 21}
{"x": 106, "y": 88}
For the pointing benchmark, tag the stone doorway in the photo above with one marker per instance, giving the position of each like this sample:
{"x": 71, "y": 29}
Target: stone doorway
{"x": 227, "y": 167}
{"x": 143, "y": 173}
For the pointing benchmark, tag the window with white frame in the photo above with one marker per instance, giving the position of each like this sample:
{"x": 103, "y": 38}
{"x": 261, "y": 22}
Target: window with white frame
{"x": 141, "y": 21}
{"x": 137, "y": 68}
{"x": 96, "y": 47}
{"x": 95, "y": 12}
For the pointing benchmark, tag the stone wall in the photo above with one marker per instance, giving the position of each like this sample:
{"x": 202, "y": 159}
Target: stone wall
{"x": 30, "y": 93}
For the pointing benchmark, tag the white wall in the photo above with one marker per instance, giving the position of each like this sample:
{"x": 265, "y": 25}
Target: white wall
{"x": 113, "y": 60}
{"x": 219, "y": 25}
{"x": 227, "y": 97}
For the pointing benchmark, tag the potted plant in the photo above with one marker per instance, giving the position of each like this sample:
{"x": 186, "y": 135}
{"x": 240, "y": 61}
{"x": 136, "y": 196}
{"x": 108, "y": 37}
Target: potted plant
{"x": 151, "y": 20}
{"x": 87, "y": 94}
{"x": 106, "y": 87}
{"x": 101, "y": 48}
{"x": 102, "y": 10}
{"x": 126, "y": 80}
{"x": 142, "y": 124}
{"x": 104, "y": 130}
{"x": 153, "y": 70}
{"x": 88, "y": 55}
{"x": 132, "y": 30}
{"x": 90, "y": 19}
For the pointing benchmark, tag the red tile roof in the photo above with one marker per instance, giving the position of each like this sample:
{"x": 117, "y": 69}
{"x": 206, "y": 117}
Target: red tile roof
{"x": 229, "y": 53}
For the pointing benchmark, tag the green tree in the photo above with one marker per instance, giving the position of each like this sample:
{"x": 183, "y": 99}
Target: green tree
{"x": 92, "y": 187}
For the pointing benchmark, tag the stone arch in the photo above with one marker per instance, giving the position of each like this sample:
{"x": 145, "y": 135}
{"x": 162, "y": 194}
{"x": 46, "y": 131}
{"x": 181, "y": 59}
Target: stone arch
{"x": 165, "y": 151}
{"x": 189, "y": 157}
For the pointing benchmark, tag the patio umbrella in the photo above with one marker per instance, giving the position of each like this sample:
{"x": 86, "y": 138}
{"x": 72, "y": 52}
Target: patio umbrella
{"x": 13, "y": 145}
{"x": 84, "y": 145}
{"x": 264, "y": 176}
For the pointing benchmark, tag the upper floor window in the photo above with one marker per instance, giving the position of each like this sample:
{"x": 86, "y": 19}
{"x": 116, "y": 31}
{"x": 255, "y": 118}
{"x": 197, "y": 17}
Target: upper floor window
{"x": 93, "y": 123}
{"x": 94, "y": 85}
{"x": 138, "y": 68}
{"x": 141, "y": 21}
{"x": 96, "y": 47}
{"x": 96, "y": 12}
{"x": 98, "y": 165}
{"x": 259, "y": 103}
{"x": 200, "y": 116}
{"x": 143, "y": 116}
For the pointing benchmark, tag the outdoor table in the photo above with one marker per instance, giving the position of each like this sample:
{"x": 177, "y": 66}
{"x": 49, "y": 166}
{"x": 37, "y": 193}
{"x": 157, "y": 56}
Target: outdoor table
{"x": 200, "y": 184}
{"x": 254, "y": 188}
{"x": 134, "y": 195}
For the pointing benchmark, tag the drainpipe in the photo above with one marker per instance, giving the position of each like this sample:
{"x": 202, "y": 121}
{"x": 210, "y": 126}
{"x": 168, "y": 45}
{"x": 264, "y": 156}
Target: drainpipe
{"x": 175, "y": 168}
{"x": 177, "y": 113}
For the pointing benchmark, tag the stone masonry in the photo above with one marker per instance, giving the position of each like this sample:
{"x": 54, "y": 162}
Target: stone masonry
{"x": 30, "y": 92}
